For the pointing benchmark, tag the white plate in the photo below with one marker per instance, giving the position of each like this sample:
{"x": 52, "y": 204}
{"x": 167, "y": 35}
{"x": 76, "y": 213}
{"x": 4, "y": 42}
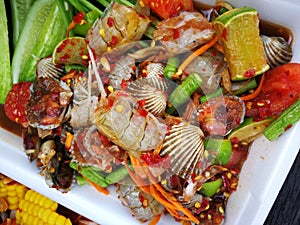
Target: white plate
{"x": 261, "y": 177}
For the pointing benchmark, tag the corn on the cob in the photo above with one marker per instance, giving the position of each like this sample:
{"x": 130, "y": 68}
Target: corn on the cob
{"x": 11, "y": 191}
{"x": 36, "y": 209}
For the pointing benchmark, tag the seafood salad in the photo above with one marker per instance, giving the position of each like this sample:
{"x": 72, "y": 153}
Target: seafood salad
{"x": 158, "y": 98}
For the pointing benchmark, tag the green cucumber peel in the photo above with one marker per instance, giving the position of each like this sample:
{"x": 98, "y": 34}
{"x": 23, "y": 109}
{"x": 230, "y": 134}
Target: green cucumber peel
{"x": 217, "y": 93}
{"x": 287, "y": 118}
{"x": 182, "y": 92}
{"x": 52, "y": 32}
{"x": 34, "y": 21}
{"x": 210, "y": 188}
{"x": 171, "y": 67}
{"x": 116, "y": 175}
{"x": 222, "y": 147}
{"x": 91, "y": 173}
{"x": 5, "y": 75}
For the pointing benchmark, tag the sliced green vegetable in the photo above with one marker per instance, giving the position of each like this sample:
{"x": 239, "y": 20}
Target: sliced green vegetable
{"x": 19, "y": 10}
{"x": 92, "y": 173}
{"x": 90, "y": 18}
{"x": 81, "y": 181}
{"x": 211, "y": 188}
{"x": 183, "y": 91}
{"x": 34, "y": 21}
{"x": 5, "y": 75}
{"x": 250, "y": 85}
{"x": 52, "y": 32}
{"x": 249, "y": 130}
{"x": 117, "y": 175}
{"x": 171, "y": 67}
{"x": 212, "y": 95}
{"x": 222, "y": 147}
{"x": 288, "y": 117}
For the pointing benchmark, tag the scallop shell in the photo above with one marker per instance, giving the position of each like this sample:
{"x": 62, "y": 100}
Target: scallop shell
{"x": 45, "y": 68}
{"x": 277, "y": 50}
{"x": 155, "y": 99}
{"x": 184, "y": 144}
{"x": 155, "y": 77}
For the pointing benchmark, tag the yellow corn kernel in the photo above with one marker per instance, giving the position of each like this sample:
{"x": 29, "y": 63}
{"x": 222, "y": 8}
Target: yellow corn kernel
{"x": 18, "y": 214}
{"x": 11, "y": 187}
{"x": 29, "y": 220}
{"x": 33, "y": 196}
{"x": 28, "y": 194}
{"x": 13, "y": 206}
{"x": 54, "y": 206}
{"x": 52, "y": 218}
{"x": 3, "y": 194}
{"x": 35, "y": 221}
{"x": 60, "y": 220}
{"x": 68, "y": 222}
{"x": 46, "y": 214}
{"x": 21, "y": 204}
{"x": 38, "y": 199}
{"x": 12, "y": 199}
{"x": 25, "y": 206}
{"x": 12, "y": 193}
{"x": 24, "y": 217}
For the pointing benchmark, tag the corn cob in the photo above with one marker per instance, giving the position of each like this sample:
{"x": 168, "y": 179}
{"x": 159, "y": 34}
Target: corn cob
{"x": 36, "y": 209}
{"x": 11, "y": 191}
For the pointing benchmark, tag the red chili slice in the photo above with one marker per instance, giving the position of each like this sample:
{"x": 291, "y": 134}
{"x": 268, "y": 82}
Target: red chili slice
{"x": 16, "y": 101}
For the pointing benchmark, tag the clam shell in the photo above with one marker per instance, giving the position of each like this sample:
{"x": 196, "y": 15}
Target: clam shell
{"x": 184, "y": 144}
{"x": 277, "y": 50}
{"x": 45, "y": 68}
{"x": 155, "y": 99}
{"x": 155, "y": 76}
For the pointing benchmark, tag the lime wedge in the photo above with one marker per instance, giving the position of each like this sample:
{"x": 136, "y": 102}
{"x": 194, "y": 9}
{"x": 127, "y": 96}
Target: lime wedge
{"x": 239, "y": 34}
{"x": 249, "y": 130}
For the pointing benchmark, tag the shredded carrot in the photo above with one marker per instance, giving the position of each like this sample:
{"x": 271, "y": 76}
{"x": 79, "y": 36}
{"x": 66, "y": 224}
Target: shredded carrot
{"x": 196, "y": 53}
{"x": 155, "y": 220}
{"x": 218, "y": 47}
{"x": 96, "y": 186}
{"x": 69, "y": 76}
{"x": 161, "y": 199}
{"x": 171, "y": 198}
{"x": 137, "y": 179}
{"x": 70, "y": 27}
{"x": 256, "y": 92}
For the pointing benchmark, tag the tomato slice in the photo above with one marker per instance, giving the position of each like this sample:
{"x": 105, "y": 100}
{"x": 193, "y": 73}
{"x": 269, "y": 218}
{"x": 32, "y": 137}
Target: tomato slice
{"x": 168, "y": 8}
{"x": 16, "y": 101}
{"x": 281, "y": 89}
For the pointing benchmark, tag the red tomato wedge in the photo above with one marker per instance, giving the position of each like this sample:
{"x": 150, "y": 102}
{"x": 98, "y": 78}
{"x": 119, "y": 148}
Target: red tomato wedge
{"x": 168, "y": 8}
{"x": 16, "y": 101}
{"x": 281, "y": 89}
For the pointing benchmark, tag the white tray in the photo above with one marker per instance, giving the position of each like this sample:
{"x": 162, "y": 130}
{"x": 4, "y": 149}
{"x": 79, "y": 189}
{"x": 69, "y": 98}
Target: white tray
{"x": 261, "y": 177}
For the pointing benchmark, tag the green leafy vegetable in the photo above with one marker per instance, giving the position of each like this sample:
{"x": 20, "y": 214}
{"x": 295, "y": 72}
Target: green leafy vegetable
{"x": 19, "y": 10}
{"x": 5, "y": 75}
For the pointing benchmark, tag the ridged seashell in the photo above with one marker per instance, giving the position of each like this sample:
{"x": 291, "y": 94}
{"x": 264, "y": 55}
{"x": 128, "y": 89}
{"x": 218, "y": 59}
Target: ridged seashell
{"x": 155, "y": 76}
{"x": 155, "y": 99}
{"x": 277, "y": 50}
{"x": 184, "y": 144}
{"x": 45, "y": 68}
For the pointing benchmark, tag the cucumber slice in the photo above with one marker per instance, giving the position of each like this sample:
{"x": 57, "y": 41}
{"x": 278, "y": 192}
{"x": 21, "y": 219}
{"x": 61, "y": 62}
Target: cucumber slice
{"x": 289, "y": 117}
{"x": 34, "y": 21}
{"x": 52, "y": 32}
{"x": 6, "y": 80}
{"x": 19, "y": 10}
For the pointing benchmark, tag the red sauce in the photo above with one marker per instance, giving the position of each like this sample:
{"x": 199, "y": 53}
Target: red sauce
{"x": 7, "y": 124}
